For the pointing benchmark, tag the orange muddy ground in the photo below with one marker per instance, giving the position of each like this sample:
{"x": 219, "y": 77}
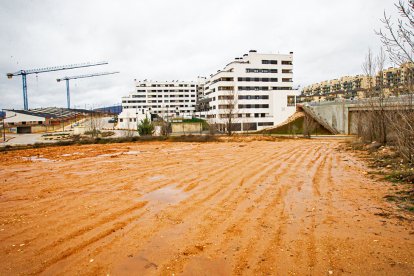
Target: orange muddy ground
{"x": 260, "y": 207}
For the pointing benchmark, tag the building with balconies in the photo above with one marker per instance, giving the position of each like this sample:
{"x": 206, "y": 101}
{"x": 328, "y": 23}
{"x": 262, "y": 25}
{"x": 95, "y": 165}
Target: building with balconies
{"x": 164, "y": 99}
{"x": 255, "y": 91}
{"x": 391, "y": 81}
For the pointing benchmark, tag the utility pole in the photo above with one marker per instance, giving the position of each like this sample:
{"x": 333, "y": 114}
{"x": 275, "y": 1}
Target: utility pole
{"x": 4, "y": 129}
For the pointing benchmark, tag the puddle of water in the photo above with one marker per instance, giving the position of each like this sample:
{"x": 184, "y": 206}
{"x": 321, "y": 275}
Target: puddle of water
{"x": 169, "y": 195}
{"x": 37, "y": 159}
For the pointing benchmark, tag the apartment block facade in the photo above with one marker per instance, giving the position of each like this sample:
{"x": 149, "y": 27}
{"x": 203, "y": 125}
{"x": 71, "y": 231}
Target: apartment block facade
{"x": 165, "y": 99}
{"x": 255, "y": 90}
{"x": 391, "y": 81}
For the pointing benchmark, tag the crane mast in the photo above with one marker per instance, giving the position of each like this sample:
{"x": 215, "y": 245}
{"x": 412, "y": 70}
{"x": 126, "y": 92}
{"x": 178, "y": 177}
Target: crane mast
{"x": 80, "y": 77}
{"x": 24, "y": 74}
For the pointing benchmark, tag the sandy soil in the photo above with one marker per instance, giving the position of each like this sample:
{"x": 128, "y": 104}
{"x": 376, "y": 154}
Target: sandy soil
{"x": 289, "y": 207}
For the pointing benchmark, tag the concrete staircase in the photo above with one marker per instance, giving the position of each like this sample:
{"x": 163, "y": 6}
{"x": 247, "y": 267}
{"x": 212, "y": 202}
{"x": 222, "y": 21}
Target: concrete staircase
{"x": 309, "y": 110}
{"x": 293, "y": 117}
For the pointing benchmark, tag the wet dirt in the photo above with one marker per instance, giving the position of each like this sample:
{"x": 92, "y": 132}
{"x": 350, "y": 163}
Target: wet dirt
{"x": 289, "y": 207}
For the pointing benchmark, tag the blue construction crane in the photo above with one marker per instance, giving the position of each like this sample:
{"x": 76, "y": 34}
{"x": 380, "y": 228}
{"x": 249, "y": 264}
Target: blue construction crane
{"x": 24, "y": 73}
{"x": 81, "y": 77}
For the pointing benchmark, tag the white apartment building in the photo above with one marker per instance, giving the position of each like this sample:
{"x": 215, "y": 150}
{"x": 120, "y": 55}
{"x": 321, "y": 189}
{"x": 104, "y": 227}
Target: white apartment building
{"x": 256, "y": 89}
{"x": 165, "y": 99}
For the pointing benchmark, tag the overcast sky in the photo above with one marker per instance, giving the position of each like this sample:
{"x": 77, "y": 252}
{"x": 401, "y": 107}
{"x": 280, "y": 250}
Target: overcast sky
{"x": 180, "y": 40}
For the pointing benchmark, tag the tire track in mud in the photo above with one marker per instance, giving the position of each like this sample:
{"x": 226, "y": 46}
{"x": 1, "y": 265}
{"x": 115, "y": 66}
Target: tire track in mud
{"x": 110, "y": 225}
{"x": 330, "y": 244}
{"x": 204, "y": 235}
{"x": 246, "y": 217}
{"x": 189, "y": 178}
{"x": 259, "y": 209}
{"x": 124, "y": 225}
{"x": 269, "y": 252}
{"x": 219, "y": 209}
{"x": 263, "y": 258}
{"x": 312, "y": 215}
{"x": 222, "y": 169}
{"x": 224, "y": 203}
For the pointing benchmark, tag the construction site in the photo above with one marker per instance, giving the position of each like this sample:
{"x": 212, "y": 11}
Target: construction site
{"x": 246, "y": 205}
{"x": 206, "y": 156}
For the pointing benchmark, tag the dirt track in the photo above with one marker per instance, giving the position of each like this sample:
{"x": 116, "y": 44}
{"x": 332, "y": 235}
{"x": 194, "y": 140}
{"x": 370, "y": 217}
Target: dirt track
{"x": 260, "y": 207}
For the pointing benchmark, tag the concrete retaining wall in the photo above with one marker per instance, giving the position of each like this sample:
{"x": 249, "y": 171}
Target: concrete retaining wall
{"x": 186, "y": 127}
{"x": 336, "y": 114}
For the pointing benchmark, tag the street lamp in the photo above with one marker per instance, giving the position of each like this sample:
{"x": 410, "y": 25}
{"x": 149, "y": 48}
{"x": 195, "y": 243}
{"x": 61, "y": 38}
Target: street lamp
{"x": 4, "y": 129}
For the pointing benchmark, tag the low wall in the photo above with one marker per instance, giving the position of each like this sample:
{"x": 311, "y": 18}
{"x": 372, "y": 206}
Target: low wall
{"x": 186, "y": 127}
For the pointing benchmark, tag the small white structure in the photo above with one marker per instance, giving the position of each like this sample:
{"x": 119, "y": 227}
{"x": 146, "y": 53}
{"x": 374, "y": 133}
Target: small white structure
{"x": 130, "y": 118}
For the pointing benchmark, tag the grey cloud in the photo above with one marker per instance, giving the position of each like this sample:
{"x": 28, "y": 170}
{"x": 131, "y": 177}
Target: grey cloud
{"x": 183, "y": 39}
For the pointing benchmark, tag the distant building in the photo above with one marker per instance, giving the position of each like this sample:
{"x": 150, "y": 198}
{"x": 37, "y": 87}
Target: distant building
{"x": 257, "y": 87}
{"x": 344, "y": 87}
{"x": 256, "y": 90}
{"x": 165, "y": 99}
{"x": 396, "y": 78}
{"x": 391, "y": 81}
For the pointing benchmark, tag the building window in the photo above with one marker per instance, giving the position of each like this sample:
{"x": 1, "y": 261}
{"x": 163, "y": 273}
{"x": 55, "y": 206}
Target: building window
{"x": 254, "y": 88}
{"x": 258, "y": 79}
{"x": 265, "y": 123}
{"x": 253, "y": 70}
{"x": 253, "y": 106}
{"x": 253, "y": 97}
{"x": 266, "y": 61}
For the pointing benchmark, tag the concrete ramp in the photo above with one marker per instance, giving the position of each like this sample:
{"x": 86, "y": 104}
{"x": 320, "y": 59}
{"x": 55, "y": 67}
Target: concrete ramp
{"x": 293, "y": 117}
{"x": 311, "y": 112}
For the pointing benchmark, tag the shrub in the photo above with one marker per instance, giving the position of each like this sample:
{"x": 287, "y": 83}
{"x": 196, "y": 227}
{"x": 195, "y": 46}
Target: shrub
{"x": 145, "y": 128}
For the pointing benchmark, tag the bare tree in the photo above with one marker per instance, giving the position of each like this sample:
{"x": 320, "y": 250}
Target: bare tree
{"x": 372, "y": 122}
{"x": 230, "y": 111}
{"x": 94, "y": 123}
{"x": 398, "y": 39}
